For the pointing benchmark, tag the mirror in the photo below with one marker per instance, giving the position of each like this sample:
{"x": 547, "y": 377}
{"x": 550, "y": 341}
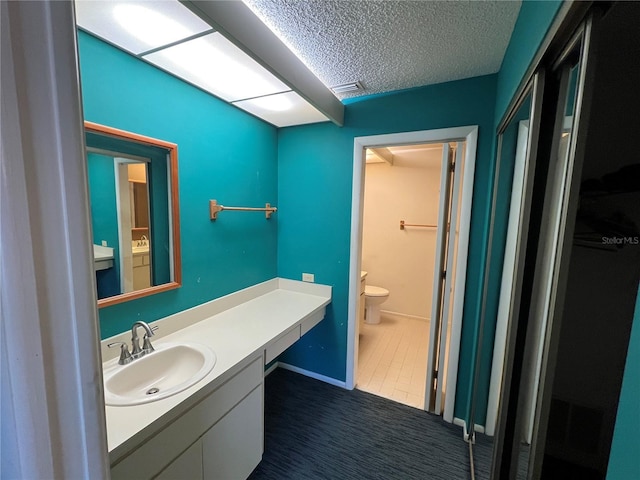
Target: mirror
{"x": 509, "y": 219}
{"x": 133, "y": 189}
{"x": 513, "y": 142}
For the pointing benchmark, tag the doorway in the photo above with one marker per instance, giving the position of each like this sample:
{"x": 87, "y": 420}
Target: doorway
{"x": 400, "y": 218}
{"x": 456, "y": 188}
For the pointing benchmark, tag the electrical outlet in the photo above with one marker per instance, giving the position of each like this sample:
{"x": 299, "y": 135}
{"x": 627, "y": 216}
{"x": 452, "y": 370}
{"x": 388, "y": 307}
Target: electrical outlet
{"x": 308, "y": 277}
{"x": 104, "y": 243}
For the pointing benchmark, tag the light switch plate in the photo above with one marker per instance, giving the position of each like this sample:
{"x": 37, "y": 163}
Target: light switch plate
{"x": 308, "y": 277}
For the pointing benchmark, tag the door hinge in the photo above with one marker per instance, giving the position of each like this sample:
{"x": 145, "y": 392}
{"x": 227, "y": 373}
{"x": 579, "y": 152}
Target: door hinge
{"x": 444, "y": 274}
{"x": 452, "y": 166}
{"x": 435, "y": 374}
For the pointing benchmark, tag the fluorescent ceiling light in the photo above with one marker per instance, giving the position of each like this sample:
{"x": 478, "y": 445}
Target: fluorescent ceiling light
{"x": 272, "y": 103}
{"x": 166, "y": 29}
{"x": 298, "y": 113}
{"x": 139, "y": 26}
{"x": 216, "y": 65}
{"x": 149, "y": 26}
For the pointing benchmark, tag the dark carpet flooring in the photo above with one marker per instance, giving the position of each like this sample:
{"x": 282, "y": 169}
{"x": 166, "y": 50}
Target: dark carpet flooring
{"x": 317, "y": 431}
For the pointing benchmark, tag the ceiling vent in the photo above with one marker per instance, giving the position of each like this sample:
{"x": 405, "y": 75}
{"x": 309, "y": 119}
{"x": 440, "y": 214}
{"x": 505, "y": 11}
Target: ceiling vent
{"x": 347, "y": 87}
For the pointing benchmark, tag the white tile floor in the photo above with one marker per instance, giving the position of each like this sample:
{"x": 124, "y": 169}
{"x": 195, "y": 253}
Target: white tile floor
{"x": 392, "y": 359}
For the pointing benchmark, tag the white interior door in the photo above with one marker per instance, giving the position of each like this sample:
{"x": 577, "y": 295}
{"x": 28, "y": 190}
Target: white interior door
{"x": 449, "y": 277}
{"x": 433, "y": 392}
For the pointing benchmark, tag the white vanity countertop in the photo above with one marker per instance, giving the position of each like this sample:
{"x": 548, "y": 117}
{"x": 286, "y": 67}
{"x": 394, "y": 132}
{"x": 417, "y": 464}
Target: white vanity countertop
{"x": 102, "y": 253}
{"x": 235, "y": 327}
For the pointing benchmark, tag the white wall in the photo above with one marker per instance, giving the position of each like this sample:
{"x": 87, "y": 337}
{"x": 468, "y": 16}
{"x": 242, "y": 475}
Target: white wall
{"x": 402, "y": 261}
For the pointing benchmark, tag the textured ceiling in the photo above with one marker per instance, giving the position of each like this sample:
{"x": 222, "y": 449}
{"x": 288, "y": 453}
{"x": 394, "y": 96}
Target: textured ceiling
{"x": 392, "y": 45}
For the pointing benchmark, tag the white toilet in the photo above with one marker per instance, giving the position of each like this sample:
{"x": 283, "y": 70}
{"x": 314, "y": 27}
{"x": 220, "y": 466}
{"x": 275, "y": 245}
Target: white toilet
{"x": 373, "y": 298}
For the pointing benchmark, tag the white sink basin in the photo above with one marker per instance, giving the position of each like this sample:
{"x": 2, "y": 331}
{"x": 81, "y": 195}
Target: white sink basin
{"x": 172, "y": 368}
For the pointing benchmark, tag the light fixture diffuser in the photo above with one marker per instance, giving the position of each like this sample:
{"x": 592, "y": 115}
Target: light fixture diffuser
{"x": 299, "y": 112}
{"x": 138, "y": 26}
{"x": 216, "y": 65}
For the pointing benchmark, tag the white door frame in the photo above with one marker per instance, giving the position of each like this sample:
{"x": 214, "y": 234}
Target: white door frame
{"x": 53, "y": 417}
{"x": 454, "y": 134}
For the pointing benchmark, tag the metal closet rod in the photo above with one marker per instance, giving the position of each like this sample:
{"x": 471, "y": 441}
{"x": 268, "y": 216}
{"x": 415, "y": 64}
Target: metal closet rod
{"x": 402, "y": 225}
{"x": 215, "y": 208}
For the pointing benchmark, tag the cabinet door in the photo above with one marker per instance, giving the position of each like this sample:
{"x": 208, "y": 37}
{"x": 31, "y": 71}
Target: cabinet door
{"x": 141, "y": 276}
{"x": 233, "y": 447}
{"x": 186, "y": 466}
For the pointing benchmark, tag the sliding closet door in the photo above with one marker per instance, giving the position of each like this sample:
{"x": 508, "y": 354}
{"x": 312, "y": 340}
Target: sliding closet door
{"x": 582, "y": 265}
{"x": 556, "y": 175}
{"x": 549, "y": 281}
{"x": 594, "y": 300}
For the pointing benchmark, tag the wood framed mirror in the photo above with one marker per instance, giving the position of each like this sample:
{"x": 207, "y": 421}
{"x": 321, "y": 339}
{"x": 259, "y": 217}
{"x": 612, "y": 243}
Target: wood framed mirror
{"x": 135, "y": 218}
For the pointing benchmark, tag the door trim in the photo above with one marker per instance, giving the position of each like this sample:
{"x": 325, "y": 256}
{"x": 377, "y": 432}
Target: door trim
{"x": 51, "y": 372}
{"x": 465, "y": 133}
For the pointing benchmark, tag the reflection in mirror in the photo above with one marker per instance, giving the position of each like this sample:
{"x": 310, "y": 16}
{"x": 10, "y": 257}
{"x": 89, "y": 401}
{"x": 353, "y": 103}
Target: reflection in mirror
{"x": 134, "y": 213}
{"x": 513, "y": 160}
{"x": 532, "y": 385}
{"x": 527, "y": 386}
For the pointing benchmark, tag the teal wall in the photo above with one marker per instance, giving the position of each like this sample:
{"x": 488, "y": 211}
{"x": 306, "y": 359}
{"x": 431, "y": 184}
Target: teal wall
{"x": 223, "y": 154}
{"x": 624, "y": 460}
{"x": 315, "y": 179}
{"x": 102, "y": 189}
{"x": 533, "y": 22}
{"x": 104, "y": 219}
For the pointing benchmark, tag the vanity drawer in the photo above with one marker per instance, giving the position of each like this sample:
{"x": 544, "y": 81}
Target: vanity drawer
{"x": 280, "y": 344}
{"x": 311, "y": 322}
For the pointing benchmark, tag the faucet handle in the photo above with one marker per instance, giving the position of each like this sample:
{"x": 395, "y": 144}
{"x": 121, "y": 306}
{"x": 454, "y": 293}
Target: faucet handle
{"x": 146, "y": 346}
{"x": 125, "y": 356}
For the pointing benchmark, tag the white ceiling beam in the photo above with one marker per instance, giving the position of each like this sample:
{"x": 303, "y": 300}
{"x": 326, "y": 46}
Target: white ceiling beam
{"x": 383, "y": 154}
{"x": 242, "y": 27}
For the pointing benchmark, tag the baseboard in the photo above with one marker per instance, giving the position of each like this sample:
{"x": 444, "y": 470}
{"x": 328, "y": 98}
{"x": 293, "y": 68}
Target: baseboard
{"x": 406, "y": 315}
{"x": 461, "y": 423}
{"x": 273, "y": 366}
{"x": 310, "y": 374}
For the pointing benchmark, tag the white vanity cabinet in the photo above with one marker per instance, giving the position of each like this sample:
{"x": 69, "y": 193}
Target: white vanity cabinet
{"x": 234, "y": 446}
{"x": 141, "y": 271}
{"x": 188, "y": 465}
{"x": 221, "y": 436}
{"x": 214, "y": 430}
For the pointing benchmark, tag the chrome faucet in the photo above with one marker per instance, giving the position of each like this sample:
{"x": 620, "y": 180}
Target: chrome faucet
{"x": 136, "y": 351}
